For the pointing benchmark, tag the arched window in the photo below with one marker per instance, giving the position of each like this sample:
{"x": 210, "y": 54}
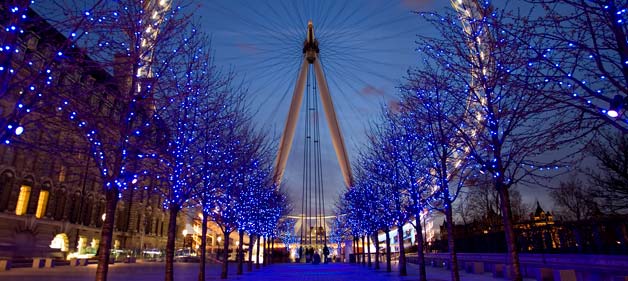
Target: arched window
{"x": 60, "y": 199}
{"x": 6, "y": 186}
{"x": 100, "y": 211}
{"x": 88, "y": 208}
{"x": 23, "y": 198}
{"x": 42, "y": 201}
{"x": 75, "y": 203}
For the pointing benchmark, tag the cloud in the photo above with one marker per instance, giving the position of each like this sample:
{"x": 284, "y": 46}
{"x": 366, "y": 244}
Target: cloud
{"x": 394, "y": 106}
{"x": 416, "y": 4}
{"x": 370, "y": 90}
{"x": 247, "y": 48}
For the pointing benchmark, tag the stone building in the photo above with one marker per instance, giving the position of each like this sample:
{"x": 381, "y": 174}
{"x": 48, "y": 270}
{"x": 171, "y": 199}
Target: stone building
{"x": 51, "y": 199}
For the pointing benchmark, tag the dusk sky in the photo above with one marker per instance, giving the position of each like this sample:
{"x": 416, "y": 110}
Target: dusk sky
{"x": 366, "y": 48}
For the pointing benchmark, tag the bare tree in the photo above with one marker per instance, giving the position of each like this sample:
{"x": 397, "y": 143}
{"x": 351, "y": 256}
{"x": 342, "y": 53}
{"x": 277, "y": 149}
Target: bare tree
{"x": 573, "y": 201}
{"x": 610, "y": 180}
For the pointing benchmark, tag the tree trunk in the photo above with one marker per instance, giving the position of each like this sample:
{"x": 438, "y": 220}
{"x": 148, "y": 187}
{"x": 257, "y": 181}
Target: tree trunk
{"x": 106, "y": 235}
{"x": 257, "y": 255}
{"x": 358, "y": 257}
{"x": 240, "y": 252}
{"x": 363, "y": 252}
{"x": 249, "y": 265}
{"x": 264, "y": 260}
{"x": 453, "y": 258}
{"x": 376, "y": 250}
{"x": 388, "y": 266}
{"x": 421, "y": 255}
{"x": 513, "y": 253}
{"x": 225, "y": 256}
{"x": 271, "y": 251}
{"x": 368, "y": 247}
{"x": 266, "y": 243}
{"x": 201, "y": 272}
{"x": 172, "y": 235}
{"x": 355, "y": 251}
{"x": 403, "y": 271}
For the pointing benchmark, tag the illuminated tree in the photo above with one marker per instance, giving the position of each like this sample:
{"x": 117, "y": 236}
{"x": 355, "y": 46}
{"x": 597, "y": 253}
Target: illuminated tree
{"x": 581, "y": 48}
{"x": 507, "y": 125}
{"x": 136, "y": 41}
{"x": 190, "y": 90}
{"x": 34, "y": 55}
{"x": 431, "y": 120}
{"x": 286, "y": 232}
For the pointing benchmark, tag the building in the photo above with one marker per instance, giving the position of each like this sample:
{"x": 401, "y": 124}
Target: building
{"x": 51, "y": 199}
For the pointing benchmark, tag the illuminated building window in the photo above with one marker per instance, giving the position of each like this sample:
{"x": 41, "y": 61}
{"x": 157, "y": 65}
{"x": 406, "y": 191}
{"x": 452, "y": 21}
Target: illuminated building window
{"x": 42, "y": 203}
{"x": 22, "y": 200}
{"x": 62, "y": 174}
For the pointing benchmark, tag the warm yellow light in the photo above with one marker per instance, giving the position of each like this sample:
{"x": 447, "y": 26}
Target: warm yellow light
{"x": 42, "y": 203}
{"x": 22, "y": 200}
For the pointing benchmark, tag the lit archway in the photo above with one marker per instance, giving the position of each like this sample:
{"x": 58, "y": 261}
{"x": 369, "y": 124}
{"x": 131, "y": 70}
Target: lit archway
{"x": 61, "y": 242}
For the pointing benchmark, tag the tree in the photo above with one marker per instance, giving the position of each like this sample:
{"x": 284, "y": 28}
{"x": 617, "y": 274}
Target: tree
{"x": 286, "y": 232}
{"x": 480, "y": 203}
{"x": 29, "y": 68}
{"x": 382, "y": 167}
{"x": 446, "y": 166}
{"x": 185, "y": 96}
{"x": 582, "y": 48}
{"x": 135, "y": 40}
{"x": 507, "y": 124}
{"x": 610, "y": 181}
{"x": 573, "y": 201}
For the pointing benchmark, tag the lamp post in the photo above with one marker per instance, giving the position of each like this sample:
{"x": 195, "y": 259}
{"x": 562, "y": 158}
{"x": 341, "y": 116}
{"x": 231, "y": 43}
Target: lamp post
{"x": 185, "y": 234}
{"x": 616, "y": 105}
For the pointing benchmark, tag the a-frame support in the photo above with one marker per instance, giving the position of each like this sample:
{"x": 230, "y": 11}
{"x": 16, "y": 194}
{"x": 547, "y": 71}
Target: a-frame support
{"x": 311, "y": 56}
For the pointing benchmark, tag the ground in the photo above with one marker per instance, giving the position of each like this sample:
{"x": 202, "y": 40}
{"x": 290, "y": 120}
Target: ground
{"x": 274, "y": 272}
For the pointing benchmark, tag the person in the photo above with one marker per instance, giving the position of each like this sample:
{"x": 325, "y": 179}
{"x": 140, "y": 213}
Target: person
{"x": 308, "y": 255}
{"x": 316, "y": 258}
{"x": 300, "y": 253}
{"x": 325, "y": 254}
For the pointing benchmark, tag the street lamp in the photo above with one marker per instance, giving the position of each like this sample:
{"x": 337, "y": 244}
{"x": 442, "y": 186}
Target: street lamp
{"x": 616, "y": 105}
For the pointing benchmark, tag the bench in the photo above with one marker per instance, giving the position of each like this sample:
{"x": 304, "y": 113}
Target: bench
{"x": 474, "y": 267}
{"x": 43, "y": 263}
{"x": 565, "y": 275}
{"x": 5, "y": 264}
{"x": 78, "y": 262}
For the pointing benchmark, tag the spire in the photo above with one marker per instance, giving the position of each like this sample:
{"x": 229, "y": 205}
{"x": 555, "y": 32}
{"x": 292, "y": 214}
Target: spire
{"x": 539, "y": 211}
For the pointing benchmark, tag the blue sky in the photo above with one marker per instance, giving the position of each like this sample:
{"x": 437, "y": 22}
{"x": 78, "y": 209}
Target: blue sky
{"x": 366, "y": 48}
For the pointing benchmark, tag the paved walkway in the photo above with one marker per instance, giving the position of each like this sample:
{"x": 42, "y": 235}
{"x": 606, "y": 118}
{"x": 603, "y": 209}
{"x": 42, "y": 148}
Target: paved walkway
{"x": 275, "y": 272}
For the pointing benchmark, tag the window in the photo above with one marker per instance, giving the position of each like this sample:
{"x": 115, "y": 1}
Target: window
{"x": 42, "y": 203}
{"x": 22, "y": 200}
{"x": 62, "y": 174}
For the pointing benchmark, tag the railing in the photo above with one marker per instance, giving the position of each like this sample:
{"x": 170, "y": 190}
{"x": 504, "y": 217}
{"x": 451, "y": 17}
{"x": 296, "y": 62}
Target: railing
{"x": 604, "y": 267}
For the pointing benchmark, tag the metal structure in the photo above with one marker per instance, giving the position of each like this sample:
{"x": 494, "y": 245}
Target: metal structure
{"x": 311, "y": 81}
{"x": 311, "y": 61}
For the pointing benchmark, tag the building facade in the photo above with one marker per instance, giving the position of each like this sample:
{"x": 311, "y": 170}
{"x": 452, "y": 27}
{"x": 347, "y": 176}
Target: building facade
{"x": 51, "y": 195}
